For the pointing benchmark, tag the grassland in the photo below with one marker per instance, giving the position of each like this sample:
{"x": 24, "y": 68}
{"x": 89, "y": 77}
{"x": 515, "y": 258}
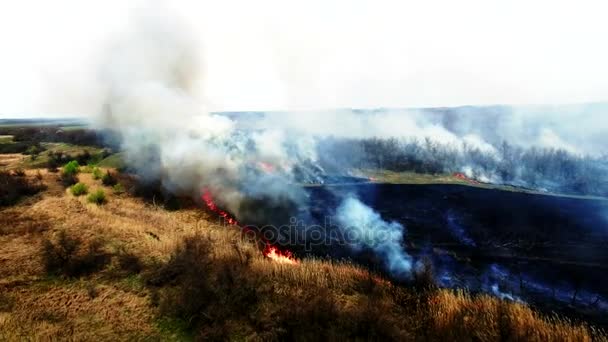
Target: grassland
{"x": 392, "y": 177}
{"x": 41, "y": 160}
{"x": 115, "y": 161}
{"x": 199, "y": 279}
{"x": 6, "y": 139}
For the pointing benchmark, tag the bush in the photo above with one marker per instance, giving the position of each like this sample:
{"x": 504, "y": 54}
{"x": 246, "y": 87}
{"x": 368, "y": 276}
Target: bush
{"x": 68, "y": 179}
{"x": 34, "y": 150}
{"x": 108, "y": 179}
{"x": 13, "y": 187}
{"x": 67, "y": 256}
{"x": 79, "y": 189}
{"x": 69, "y": 172}
{"x": 84, "y": 157}
{"x": 71, "y": 168}
{"x": 118, "y": 189}
{"x": 97, "y": 174}
{"x": 98, "y": 197}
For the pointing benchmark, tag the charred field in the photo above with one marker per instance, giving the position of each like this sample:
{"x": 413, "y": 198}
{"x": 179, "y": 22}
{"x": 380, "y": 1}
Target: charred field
{"x": 545, "y": 250}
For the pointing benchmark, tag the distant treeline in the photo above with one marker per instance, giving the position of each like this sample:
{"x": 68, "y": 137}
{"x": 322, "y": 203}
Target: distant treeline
{"x": 539, "y": 168}
{"x": 52, "y": 134}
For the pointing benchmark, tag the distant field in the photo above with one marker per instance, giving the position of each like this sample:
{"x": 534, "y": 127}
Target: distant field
{"x": 43, "y": 122}
{"x": 6, "y": 139}
{"x": 391, "y": 177}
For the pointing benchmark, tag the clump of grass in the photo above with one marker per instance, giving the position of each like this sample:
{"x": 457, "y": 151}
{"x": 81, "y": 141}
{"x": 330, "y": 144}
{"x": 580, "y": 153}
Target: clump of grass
{"x": 68, "y": 256}
{"x": 19, "y": 172}
{"x": 98, "y": 197}
{"x": 118, "y": 189}
{"x": 97, "y": 174}
{"x": 71, "y": 168}
{"x": 108, "y": 179}
{"x": 7, "y": 302}
{"x": 69, "y": 173}
{"x": 129, "y": 263}
{"x": 79, "y": 189}
{"x": 13, "y": 187}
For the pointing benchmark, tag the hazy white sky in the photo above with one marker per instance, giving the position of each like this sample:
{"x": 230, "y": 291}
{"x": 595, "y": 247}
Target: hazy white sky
{"x": 272, "y": 54}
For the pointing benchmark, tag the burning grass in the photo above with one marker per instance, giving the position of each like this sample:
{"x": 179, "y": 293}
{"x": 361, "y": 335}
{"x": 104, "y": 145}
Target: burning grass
{"x": 176, "y": 274}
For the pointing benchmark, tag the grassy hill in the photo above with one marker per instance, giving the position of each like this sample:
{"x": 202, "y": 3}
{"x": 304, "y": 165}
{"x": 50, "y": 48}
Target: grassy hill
{"x": 132, "y": 270}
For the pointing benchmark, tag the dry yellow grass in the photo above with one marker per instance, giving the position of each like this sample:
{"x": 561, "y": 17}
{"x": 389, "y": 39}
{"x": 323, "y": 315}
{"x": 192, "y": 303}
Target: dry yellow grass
{"x": 102, "y": 307}
{"x": 11, "y": 161}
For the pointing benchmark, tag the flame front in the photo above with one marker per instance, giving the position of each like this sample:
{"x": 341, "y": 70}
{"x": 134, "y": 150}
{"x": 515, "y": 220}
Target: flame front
{"x": 211, "y": 205}
{"x": 270, "y": 251}
{"x": 283, "y": 257}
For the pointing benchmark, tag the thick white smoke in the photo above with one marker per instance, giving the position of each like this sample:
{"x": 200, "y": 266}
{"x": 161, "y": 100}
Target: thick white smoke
{"x": 150, "y": 78}
{"x": 364, "y": 228}
{"x": 150, "y": 92}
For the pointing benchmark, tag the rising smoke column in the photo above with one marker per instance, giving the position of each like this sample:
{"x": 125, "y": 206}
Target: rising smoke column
{"x": 364, "y": 228}
{"x": 150, "y": 79}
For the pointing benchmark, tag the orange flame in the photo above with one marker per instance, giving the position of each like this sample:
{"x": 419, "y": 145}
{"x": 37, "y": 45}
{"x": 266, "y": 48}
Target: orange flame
{"x": 211, "y": 205}
{"x": 463, "y": 177}
{"x": 266, "y": 167}
{"x": 283, "y": 257}
{"x": 271, "y": 252}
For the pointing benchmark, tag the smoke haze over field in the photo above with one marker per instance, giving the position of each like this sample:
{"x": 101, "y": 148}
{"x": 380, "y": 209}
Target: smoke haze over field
{"x": 151, "y": 86}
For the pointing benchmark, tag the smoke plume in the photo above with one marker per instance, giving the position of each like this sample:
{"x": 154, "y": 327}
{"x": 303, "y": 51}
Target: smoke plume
{"x": 364, "y": 228}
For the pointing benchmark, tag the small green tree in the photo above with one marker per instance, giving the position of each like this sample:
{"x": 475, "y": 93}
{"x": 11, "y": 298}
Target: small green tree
{"x": 72, "y": 168}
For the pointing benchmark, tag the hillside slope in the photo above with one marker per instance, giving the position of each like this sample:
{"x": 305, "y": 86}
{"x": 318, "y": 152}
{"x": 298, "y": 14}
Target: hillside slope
{"x": 140, "y": 272}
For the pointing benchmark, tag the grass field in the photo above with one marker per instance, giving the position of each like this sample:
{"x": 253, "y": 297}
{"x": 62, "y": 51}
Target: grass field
{"x": 15, "y": 160}
{"x": 6, "y": 139}
{"x": 391, "y": 177}
{"x": 115, "y": 161}
{"x": 209, "y": 283}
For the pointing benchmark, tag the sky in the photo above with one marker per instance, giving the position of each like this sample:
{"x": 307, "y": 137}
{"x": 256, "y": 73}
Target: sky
{"x": 271, "y": 54}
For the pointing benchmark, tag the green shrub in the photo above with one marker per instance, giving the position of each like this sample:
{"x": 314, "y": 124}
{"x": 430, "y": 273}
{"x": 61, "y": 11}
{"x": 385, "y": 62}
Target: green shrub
{"x": 97, "y": 174}
{"x": 72, "y": 168}
{"x": 108, "y": 179}
{"x": 118, "y": 189}
{"x": 34, "y": 150}
{"x": 97, "y": 197}
{"x": 69, "y": 172}
{"x": 79, "y": 189}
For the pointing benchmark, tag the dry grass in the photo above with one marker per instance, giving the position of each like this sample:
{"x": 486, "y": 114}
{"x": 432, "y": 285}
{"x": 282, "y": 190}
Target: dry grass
{"x": 314, "y": 299}
{"x": 11, "y": 161}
